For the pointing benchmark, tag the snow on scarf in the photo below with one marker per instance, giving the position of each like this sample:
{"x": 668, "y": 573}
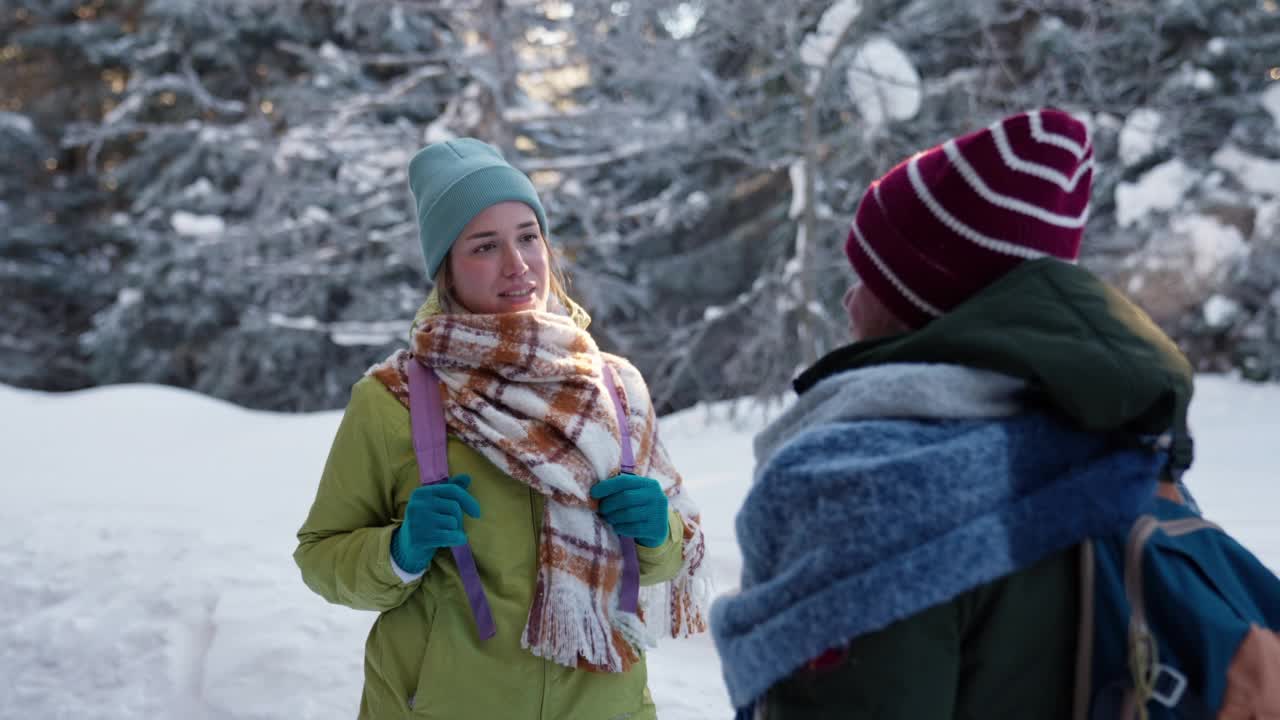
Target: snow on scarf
{"x": 527, "y": 391}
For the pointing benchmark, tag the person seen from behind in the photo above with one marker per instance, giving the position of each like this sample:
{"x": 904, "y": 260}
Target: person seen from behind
{"x": 909, "y": 542}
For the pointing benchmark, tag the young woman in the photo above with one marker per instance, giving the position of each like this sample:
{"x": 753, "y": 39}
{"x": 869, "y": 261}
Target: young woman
{"x": 535, "y": 487}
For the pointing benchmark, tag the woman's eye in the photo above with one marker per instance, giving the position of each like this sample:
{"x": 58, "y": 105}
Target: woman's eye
{"x": 531, "y": 237}
{"x": 483, "y": 247}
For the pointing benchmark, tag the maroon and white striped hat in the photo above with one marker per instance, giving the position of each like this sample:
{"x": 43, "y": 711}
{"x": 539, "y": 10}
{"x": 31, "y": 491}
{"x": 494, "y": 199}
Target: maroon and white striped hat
{"x": 948, "y": 222}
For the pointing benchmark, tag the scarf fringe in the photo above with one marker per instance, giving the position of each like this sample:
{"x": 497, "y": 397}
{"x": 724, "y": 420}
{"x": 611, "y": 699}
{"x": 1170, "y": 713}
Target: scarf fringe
{"x": 567, "y": 640}
{"x": 680, "y": 607}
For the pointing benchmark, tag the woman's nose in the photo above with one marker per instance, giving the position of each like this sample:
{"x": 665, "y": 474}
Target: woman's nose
{"x": 513, "y": 260}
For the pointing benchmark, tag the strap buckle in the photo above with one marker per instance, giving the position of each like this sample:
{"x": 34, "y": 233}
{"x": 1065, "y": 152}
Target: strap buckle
{"x": 1168, "y": 686}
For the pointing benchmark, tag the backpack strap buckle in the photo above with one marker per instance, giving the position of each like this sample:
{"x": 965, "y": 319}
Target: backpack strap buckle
{"x": 1168, "y": 685}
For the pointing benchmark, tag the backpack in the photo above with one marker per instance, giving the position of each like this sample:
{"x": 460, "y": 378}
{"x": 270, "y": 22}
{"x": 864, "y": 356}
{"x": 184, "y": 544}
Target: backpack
{"x": 1178, "y": 620}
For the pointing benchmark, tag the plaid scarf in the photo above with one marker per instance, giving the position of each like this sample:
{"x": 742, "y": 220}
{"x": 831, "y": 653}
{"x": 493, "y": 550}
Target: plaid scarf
{"x": 526, "y": 390}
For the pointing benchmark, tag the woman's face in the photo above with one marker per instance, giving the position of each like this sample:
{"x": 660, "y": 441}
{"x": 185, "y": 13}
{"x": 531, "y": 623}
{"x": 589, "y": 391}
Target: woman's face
{"x": 499, "y": 261}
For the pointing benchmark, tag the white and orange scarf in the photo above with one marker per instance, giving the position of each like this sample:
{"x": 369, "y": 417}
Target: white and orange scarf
{"x": 527, "y": 391}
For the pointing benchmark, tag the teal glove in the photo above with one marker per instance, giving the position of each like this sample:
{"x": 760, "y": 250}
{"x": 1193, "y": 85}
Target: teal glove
{"x": 432, "y": 520}
{"x": 635, "y": 506}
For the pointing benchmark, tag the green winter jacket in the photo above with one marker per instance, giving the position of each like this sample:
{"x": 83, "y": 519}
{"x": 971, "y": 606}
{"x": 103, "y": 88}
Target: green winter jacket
{"x": 422, "y": 658}
{"x": 1004, "y": 650}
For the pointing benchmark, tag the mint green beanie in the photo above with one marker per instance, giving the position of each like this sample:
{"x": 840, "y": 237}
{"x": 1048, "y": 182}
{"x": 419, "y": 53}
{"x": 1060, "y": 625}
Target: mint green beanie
{"x": 455, "y": 180}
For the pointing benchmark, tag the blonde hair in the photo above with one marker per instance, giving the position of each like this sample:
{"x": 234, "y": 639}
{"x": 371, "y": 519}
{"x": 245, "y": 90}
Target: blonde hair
{"x": 443, "y": 301}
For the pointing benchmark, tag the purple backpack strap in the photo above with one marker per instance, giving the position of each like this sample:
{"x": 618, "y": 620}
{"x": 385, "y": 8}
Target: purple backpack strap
{"x": 629, "y": 593}
{"x": 430, "y": 443}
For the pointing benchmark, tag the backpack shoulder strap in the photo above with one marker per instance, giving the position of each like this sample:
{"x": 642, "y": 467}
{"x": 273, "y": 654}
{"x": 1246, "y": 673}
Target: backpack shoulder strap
{"x": 629, "y": 592}
{"x": 624, "y": 430}
{"x": 426, "y": 415}
{"x": 430, "y": 444}
{"x": 1083, "y": 694}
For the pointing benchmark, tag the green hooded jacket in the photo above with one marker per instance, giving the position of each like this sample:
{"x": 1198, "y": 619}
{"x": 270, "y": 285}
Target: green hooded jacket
{"x": 1005, "y": 649}
{"x": 423, "y": 658}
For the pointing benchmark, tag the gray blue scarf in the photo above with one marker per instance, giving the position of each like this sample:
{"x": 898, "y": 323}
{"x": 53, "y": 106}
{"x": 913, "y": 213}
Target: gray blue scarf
{"x": 855, "y": 523}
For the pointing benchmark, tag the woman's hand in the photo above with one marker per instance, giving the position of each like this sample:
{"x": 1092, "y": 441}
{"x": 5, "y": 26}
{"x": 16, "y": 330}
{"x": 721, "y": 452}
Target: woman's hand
{"x": 432, "y": 520}
{"x": 635, "y": 506}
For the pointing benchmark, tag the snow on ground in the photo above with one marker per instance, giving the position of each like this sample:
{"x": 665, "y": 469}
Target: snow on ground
{"x": 146, "y": 533}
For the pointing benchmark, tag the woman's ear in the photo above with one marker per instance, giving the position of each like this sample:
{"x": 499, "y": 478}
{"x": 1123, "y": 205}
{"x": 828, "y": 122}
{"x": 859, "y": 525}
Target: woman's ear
{"x": 868, "y": 317}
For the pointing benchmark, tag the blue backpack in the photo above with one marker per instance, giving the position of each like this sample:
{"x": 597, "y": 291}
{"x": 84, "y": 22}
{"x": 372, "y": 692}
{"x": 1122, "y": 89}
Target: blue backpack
{"x": 1178, "y": 620}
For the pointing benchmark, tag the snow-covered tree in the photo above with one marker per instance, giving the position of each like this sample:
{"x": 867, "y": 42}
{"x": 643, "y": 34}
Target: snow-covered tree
{"x": 245, "y": 160}
{"x": 212, "y": 194}
{"x": 791, "y": 110}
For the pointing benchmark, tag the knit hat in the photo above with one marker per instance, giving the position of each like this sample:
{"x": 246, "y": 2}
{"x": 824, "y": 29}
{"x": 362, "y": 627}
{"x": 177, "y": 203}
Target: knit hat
{"x": 455, "y": 180}
{"x": 947, "y": 222}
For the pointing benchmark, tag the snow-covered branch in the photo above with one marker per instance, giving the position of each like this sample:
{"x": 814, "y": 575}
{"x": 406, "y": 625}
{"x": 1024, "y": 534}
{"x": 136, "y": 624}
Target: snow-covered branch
{"x": 579, "y": 162}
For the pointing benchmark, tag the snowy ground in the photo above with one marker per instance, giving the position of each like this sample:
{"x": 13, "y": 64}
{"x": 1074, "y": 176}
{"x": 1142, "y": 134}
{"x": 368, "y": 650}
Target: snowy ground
{"x": 145, "y": 540}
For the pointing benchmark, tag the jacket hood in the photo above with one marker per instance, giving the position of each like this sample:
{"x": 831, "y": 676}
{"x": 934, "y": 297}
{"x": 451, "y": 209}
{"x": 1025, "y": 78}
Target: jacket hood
{"x": 1094, "y": 355}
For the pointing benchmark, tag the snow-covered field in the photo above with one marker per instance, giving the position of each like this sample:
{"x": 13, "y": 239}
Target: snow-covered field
{"x": 146, "y": 533}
